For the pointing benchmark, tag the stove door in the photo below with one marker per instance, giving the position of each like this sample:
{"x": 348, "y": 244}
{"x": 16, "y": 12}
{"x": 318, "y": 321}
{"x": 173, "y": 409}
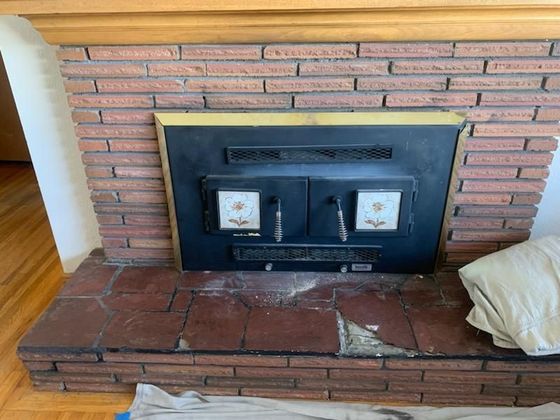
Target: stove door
{"x": 274, "y": 208}
{"x": 376, "y": 207}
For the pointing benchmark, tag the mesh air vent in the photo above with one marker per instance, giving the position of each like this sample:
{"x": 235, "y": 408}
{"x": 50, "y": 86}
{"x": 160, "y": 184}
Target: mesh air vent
{"x": 304, "y": 154}
{"x": 305, "y": 253}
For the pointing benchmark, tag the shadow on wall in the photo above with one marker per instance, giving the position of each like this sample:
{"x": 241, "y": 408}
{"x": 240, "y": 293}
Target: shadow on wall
{"x": 49, "y": 131}
{"x": 13, "y": 146}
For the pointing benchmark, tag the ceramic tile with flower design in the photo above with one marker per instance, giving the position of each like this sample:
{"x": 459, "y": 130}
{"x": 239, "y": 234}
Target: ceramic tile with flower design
{"x": 239, "y": 210}
{"x": 378, "y": 210}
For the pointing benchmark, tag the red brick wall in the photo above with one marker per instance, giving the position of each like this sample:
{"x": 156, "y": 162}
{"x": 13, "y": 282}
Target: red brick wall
{"x": 510, "y": 91}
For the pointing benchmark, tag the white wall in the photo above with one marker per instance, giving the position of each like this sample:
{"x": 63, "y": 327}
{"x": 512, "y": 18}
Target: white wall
{"x": 547, "y": 221}
{"x": 45, "y": 116}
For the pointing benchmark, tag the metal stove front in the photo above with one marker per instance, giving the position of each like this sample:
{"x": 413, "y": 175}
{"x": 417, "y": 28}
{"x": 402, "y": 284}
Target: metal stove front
{"x": 308, "y": 192}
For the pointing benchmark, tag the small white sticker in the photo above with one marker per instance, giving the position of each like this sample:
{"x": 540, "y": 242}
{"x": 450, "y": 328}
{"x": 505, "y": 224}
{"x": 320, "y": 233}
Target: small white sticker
{"x": 362, "y": 267}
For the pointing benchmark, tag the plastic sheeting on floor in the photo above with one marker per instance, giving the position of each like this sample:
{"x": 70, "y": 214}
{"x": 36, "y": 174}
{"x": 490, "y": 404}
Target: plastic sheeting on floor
{"x": 152, "y": 403}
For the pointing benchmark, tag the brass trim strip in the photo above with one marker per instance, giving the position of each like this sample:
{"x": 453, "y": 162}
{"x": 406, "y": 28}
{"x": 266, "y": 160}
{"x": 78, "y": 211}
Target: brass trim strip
{"x": 260, "y": 119}
{"x": 169, "y": 193}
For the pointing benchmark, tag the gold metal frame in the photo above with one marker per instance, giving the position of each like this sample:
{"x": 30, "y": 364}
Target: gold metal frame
{"x": 451, "y": 196}
{"x": 261, "y": 119}
{"x": 169, "y": 193}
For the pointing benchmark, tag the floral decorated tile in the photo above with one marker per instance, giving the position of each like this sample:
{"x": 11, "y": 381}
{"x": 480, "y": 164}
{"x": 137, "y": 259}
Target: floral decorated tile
{"x": 378, "y": 210}
{"x": 239, "y": 210}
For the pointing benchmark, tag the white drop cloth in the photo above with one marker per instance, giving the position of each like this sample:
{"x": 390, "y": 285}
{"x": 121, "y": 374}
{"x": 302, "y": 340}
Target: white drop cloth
{"x": 152, "y": 403}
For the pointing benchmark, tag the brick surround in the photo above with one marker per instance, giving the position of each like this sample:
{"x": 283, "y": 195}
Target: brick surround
{"x": 509, "y": 90}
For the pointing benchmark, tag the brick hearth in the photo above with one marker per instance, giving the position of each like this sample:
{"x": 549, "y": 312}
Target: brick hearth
{"x": 508, "y": 90}
{"x": 370, "y": 337}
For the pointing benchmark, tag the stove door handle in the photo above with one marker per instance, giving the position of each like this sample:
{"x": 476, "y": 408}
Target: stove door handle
{"x": 342, "y": 232}
{"x": 278, "y": 233}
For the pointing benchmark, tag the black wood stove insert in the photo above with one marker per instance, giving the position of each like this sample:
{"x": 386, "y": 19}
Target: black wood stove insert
{"x": 308, "y": 192}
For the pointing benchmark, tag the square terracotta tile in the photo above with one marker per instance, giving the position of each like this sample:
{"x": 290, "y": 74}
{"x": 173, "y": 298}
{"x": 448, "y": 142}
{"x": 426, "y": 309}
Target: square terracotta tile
{"x": 315, "y": 304}
{"x": 321, "y": 286}
{"x": 262, "y": 280}
{"x": 146, "y": 280}
{"x": 378, "y": 312}
{"x": 453, "y": 290}
{"x": 319, "y": 292}
{"x": 262, "y": 297}
{"x": 421, "y": 291}
{"x": 211, "y": 280}
{"x": 443, "y": 329}
{"x": 292, "y": 330}
{"x": 372, "y": 281}
{"x": 90, "y": 279}
{"x": 68, "y": 322}
{"x": 143, "y": 330}
{"x": 137, "y": 301}
{"x": 376, "y": 281}
{"x": 215, "y": 321}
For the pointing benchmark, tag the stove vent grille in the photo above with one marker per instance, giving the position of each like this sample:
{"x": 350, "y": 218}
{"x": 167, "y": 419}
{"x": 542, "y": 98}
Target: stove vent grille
{"x": 308, "y": 154}
{"x": 305, "y": 253}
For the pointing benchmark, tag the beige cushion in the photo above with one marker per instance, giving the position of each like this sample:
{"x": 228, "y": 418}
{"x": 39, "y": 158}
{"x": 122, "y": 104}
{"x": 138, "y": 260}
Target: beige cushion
{"x": 516, "y": 293}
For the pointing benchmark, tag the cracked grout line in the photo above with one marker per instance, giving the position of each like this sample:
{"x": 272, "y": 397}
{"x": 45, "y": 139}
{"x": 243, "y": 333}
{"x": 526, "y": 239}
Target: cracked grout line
{"x": 108, "y": 288}
{"x": 106, "y": 309}
{"x": 179, "y": 342}
{"x": 174, "y": 294}
{"x": 405, "y": 313}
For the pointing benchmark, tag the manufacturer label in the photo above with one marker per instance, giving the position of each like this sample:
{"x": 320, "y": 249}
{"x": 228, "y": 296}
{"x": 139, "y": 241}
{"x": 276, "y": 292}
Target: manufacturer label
{"x": 362, "y": 267}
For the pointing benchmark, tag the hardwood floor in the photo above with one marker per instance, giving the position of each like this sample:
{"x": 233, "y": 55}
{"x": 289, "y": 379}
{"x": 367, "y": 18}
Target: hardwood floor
{"x": 30, "y": 277}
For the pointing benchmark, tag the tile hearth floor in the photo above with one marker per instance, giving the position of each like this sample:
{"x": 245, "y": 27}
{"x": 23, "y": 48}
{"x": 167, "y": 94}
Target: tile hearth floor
{"x": 156, "y": 309}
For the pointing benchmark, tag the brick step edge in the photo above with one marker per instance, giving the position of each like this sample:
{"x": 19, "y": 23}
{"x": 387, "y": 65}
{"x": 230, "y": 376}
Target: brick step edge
{"x": 432, "y": 381}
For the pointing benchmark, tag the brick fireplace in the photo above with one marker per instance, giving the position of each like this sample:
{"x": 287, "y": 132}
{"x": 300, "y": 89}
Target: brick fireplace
{"x": 127, "y": 316}
{"x": 506, "y": 89}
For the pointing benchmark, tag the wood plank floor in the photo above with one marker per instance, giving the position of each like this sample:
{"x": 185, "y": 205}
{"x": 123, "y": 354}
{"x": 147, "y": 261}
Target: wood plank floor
{"x": 30, "y": 277}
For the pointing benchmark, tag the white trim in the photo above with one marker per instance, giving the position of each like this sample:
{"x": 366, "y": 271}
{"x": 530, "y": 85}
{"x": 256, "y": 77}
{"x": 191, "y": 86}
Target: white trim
{"x": 45, "y": 116}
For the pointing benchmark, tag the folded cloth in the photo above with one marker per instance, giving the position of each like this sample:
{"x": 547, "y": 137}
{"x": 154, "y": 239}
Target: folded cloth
{"x": 152, "y": 403}
{"x": 516, "y": 293}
